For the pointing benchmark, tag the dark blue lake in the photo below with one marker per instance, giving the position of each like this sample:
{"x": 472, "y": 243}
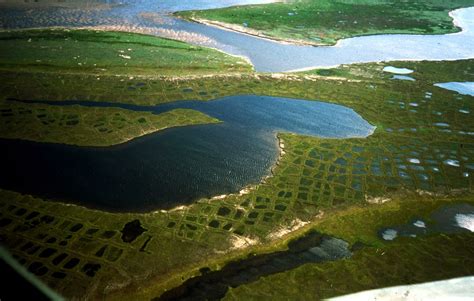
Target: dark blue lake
{"x": 175, "y": 166}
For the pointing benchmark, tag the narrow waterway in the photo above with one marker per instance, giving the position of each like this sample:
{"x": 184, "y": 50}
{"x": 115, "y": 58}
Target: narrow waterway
{"x": 153, "y": 17}
{"x": 310, "y": 248}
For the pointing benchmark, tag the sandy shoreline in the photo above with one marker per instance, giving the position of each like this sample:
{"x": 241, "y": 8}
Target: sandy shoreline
{"x": 287, "y": 41}
{"x": 249, "y": 32}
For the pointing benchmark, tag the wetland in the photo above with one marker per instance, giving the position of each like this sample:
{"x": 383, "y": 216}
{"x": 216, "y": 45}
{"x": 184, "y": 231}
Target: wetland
{"x": 328, "y": 181}
{"x": 176, "y": 166}
{"x": 411, "y": 164}
{"x": 436, "y": 36}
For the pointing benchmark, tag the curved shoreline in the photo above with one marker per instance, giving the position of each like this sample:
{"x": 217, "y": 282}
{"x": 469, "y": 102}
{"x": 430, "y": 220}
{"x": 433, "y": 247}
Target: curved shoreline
{"x": 211, "y": 255}
{"x": 246, "y": 189}
{"x": 291, "y": 57}
{"x": 358, "y": 49}
{"x": 196, "y": 40}
{"x": 211, "y": 258}
{"x": 246, "y": 31}
{"x": 277, "y": 144}
{"x": 299, "y": 42}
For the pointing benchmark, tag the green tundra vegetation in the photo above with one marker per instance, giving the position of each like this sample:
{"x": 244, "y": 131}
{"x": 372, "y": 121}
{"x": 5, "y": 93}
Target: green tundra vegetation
{"x": 86, "y": 126}
{"x": 414, "y": 260}
{"x": 39, "y": 64}
{"x": 323, "y": 22}
{"x": 109, "y": 53}
{"x": 421, "y": 157}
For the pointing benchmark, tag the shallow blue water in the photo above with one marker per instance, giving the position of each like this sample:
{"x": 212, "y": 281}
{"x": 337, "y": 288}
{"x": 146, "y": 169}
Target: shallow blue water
{"x": 174, "y": 166}
{"x": 266, "y": 56}
{"x": 403, "y": 77}
{"x": 465, "y": 88}
{"x": 396, "y": 70}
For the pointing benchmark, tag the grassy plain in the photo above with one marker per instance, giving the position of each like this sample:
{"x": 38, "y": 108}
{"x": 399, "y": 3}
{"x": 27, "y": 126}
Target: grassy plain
{"x": 101, "y": 53}
{"x": 87, "y": 126}
{"x": 377, "y": 263}
{"x": 409, "y": 261}
{"x": 90, "y": 238}
{"x": 416, "y": 161}
{"x": 320, "y": 181}
{"x": 38, "y": 64}
{"x": 323, "y": 22}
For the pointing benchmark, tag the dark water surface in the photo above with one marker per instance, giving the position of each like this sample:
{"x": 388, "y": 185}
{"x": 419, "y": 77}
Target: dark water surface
{"x": 310, "y": 248}
{"x": 175, "y": 166}
{"x": 448, "y": 219}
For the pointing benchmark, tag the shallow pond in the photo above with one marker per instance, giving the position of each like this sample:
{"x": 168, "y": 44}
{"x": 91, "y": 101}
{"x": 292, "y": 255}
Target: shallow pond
{"x": 310, "y": 248}
{"x": 465, "y": 88}
{"x": 396, "y": 70}
{"x": 448, "y": 219}
{"x": 403, "y": 77}
{"x": 152, "y": 17}
{"x": 174, "y": 166}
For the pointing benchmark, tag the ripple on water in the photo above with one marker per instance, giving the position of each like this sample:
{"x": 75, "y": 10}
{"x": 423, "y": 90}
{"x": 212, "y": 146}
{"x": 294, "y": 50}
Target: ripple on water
{"x": 179, "y": 165}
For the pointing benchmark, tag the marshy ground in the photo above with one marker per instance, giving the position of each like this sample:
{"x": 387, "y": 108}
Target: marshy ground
{"x": 420, "y": 159}
{"x": 325, "y": 22}
{"x": 409, "y": 162}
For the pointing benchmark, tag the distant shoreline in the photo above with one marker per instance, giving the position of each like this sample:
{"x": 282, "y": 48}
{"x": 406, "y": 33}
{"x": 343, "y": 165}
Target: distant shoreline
{"x": 299, "y": 42}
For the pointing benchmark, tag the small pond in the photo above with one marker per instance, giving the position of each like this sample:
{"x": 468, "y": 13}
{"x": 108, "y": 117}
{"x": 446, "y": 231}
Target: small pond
{"x": 395, "y": 70}
{"x": 465, "y": 88}
{"x": 448, "y": 219}
{"x": 313, "y": 247}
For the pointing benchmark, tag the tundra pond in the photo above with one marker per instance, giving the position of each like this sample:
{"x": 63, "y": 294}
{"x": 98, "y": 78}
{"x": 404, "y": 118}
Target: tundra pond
{"x": 176, "y": 166}
{"x": 144, "y": 168}
{"x": 411, "y": 165}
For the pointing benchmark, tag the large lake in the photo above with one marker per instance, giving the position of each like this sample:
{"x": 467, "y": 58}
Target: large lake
{"x": 152, "y": 17}
{"x": 175, "y": 166}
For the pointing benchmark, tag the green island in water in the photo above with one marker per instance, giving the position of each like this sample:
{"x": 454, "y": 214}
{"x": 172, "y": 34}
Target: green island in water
{"x": 395, "y": 206}
{"x": 324, "y": 22}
